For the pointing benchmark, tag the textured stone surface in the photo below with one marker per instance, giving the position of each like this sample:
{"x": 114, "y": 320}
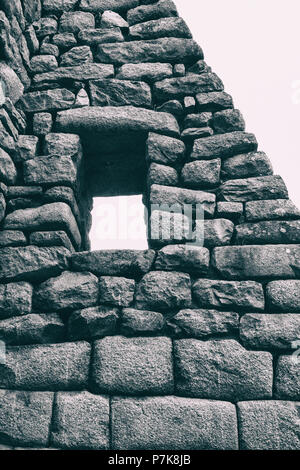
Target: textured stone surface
{"x": 222, "y": 369}
{"x": 138, "y": 322}
{"x": 274, "y": 331}
{"x": 164, "y": 27}
{"x": 183, "y": 257}
{"x": 168, "y": 226}
{"x": 58, "y": 238}
{"x": 77, "y": 72}
{"x": 287, "y": 378}
{"x": 12, "y": 238}
{"x": 76, "y": 56}
{"x": 103, "y": 5}
{"x": 47, "y": 100}
{"x": 58, "y": 6}
{"x": 117, "y": 291}
{"x": 99, "y": 36}
{"x": 268, "y": 232}
{"x": 162, "y": 174}
{"x": 81, "y": 421}
{"x": 163, "y": 149}
{"x": 119, "y": 93}
{"x": 283, "y": 296}
{"x": 246, "y": 295}
{"x": 213, "y": 101}
{"x": 8, "y": 172}
{"x": 247, "y": 189}
{"x": 62, "y": 144}
{"x": 33, "y": 409}
{"x": 111, "y": 19}
{"x": 46, "y": 367}
{"x": 247, "y": 165}
{"x": 198, "y": 323}
{"x": 201, "y": 174}
{"x": 147, "y": 72}
{"x": 273, "y": 210}
{"x": 173, "y": 423}
{"x": 191, "y": 84}
{"x": 264, "y": 262}
{"x": 15, "y": 299}
{"x": 73, "y": 22}
{"x": 269, "y": 425}
{"x": 64, "y": 40}
{"x": 26, "y": 147}
{"x": 161, "y": 9}
{"x": 164, "y": 290}
{"x": 229, "y": 120}
{"x": 92, "y": 322}
{"x": 55, "y": 169}
{"x": 223, "y": 145}
{"x": 13, "y": 85}
{"x": 216, "y": 232}
{"x": 69, "y": 291}
{"x": 133, "y": 365}
{"x": 42, "y": 123}
{"x": 43, "y": 63}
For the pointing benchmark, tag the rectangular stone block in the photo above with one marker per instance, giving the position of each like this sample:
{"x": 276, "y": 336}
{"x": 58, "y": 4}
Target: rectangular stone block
{"x": 189, "y": 85}
{"x": 163, "y": 149}
{"x": 270, "y": 231}
{"x": 287, "y": 377}
{"x": 248, "y": 189}
{"x": 163, "y": 27}
{"x": 184, "y": 258}
{"x": 54, "y": 169}
{"x": 139, "y": 322}
{"x": 159, "y": 423}
{"x": 247, "y": 165}
{"x": 120, "y": 93}
{"x": 15, "y": 299}
{"x": 223, "y": 145}
{"x": 160, "y": 9}
{"x": 76, "y": 72}
{"x": 147, "y": 72}
{"x": 47, "y": 100}
{"x": 284, "y": 296}
{"x": 200, "y": 323}
{"x": 117, "y": 291}
{"x": 271, "y": 209}
{"x": 103, "y": 5}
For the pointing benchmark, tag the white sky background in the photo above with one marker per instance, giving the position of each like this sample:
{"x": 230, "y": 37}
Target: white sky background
{"x": 254, "y": 47}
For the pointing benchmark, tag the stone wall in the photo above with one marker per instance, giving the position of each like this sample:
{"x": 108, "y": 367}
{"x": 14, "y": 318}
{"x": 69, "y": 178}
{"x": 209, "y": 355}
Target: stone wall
{"x": 175, "y": 347}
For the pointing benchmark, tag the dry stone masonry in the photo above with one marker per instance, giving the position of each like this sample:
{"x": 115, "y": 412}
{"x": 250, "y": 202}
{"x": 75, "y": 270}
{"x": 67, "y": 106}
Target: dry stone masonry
{"x": 176, "y": 347}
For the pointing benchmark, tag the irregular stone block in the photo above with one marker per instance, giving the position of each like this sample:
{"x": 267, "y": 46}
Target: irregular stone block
{"x": 15, "y": 299}
{"x": 111, "y": 19}
{"x": 116, "y": 290}
{"x": 223, "y": 145}
{"x": 93, "y": 322}
{"x": 156, "y": 50}
{"x": 42, "y": 123}
{"x": 162, "y": 149}
{"x": 33, "y": 411}
{"x": 119, "y": 93}
{"x": 230, "y": 210}
{"x": 189, "y": 135}
{"x": 133, "y": 365}
{"x": 213, "y": 101}
{"x": 173, "y": 107}
{"x": 47, "y": 100}
{"x": 216, "y": 232}
{"x": 229, "y": 120}
{"x": 246, "y": 295}
{"x": 26, "y": 147}
{"x": 188, "y": 258}
{"x": 203, "y": 323}
{"x": 287, "y": 378}
{"x": 33, "y": 328}
{"x": 58, "y": 6}
{"x": 274, "y": 331}
{"x": 162, "y": 174}
{"x": 49, "y": 49}
{"x": 12, "y": 238}
{"x": 8, "y": 172}
{"x": 129, "y": 263}
{"x": 43, "y": 63}
{"x": 161, "y": 9}
{"x": 46, "y": 367}
{"x": 201, "y": 173}
{"x": 268, "y": 232}
{"x": 263, "y": 262}
{"x": 168, "y": 227}
{"x": 173, "y": 423}
{"x": 62, "y": 144}
{"x": 81, "y": 421}
{"x": 31, "y": 263}
{"x": 45, "y": 27}
{"x": 269, "y": 425}
{"x": 58, "y": 238}
{"x": 64, "y": 40}
{"x": 14, "y": 88}
{"x": 100, "y": 36}
{"x": 138, "y": 322}
{"x": 76, "y": 56}
{"x": 283, "y": 296}
{"x": 69, "y": 291}
{"x": 197, "y": 120}
{"x": 247, "y": 189}
{"x": 54, "y": 169}
{"x": 274, "y": 210}
{"x": 191, "y": 84}
{"x": 147, "y": 72}
{"x": 103, "y": 5}
{"x": 164, "y": 291}
{"x": 24, "y": 191}
{"x": 164, "y": 27}
{"x": 203, "y": 370}
{"x": 247, "y": 165}
{"x": 2, "y": 207}
{"x": 73, "y": 22}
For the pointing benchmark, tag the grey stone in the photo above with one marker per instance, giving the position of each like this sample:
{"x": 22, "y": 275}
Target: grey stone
{"x": 245, "y": 295}
{"x": 264, "y": 262}
{"x": 173, "y": 107}
{"x": 269, "y": 425}
{"x": 162, "y": 174}
{"x": 43, "y": 63}
{"x": 163, "y": 149}
{"x": 201, "y": 173}
{"x": 179, "y": 87}
{"x": 164, "y": 27}
{"x": 22, "y": 203}
{"x": 247, "y": 165}
{"x": 33, "y": 328}
{"x": 160, "y": 290}
{"x": 81, "y": 421}
{"x": 69, "y": 291}
{"x": 103, "y": 5}
{"x": 64, "y": 40}
{"x": 62, "y": 144}
{"x": 223, "y": 145}
{"x": 33, "y": 411}
{"x": 287, "y": 378}
{"x": 283, "y": 296}
{"x": 46, "y": 367}
{"x": 164, "y": 50}
{"x": 161, "y": 9}
{"x": 58, "y": 6}
{"x": 270, "y": 331}
{"x": 188, "y": 258}
{"x": 49, "y": 49}
{"x": 203, "y": 323}
{"x": 2, "y": 207}
{"x": 54, "y": 169}
{"x": 73, "y": 22}
{"x": 47, "y": 100}
{"x": 215, "y": 232}
{"x": 179, "y": 70}
{"x": 111, "y": 19}
{"x": 274, "y": 210}
{"x": 45, "y": 27}
{"x": 15, "y": 299}
{"x": 100, "y": 36}
{"x": 228, "y": 120}
{"x": 42, "y": 123}
{"x": 197, "y": 120}
{"x": 120, "y": 92}
{"x": 268, "y": 232}
{"x": 7, "y": 141}
{"x": 247, "y": 189}
{"x": 57, "y": 238}
{"x": 76, "y": 56}
{"x": 133, "y": 365}
{"x": 222, "y": 369}
{"x": 93, "y": 322}
{"x": 12, "y": 238}
{"x": 24, "y": 191}
{"x": 173, "y": 423}
{"x": 77, "y": 72}
{"x": 117, "y": 291}
{"x": 147, "y": 72}
{"x": 213, "y": 101}
{"x": 31, "y": 263}
{"x": 26, "y": 147}
{"x": 168, "y": 227}
{"x": 13, "y": 86}
{"x": 138, "y": 322}
{"x": 189, "y": 135}
{"x": 8, "y": 172}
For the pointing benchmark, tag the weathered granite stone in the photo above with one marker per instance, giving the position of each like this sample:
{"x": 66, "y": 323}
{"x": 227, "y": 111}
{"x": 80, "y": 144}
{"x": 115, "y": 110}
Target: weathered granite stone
{"x": 76, "y": 56}
{"x": 63, "y": 194}
{"x": 129, "y": 263}
{"x": 93, "y": 322}
{"x": 215, "y": 232}
{"x": 164, "y": 27}
{"x": 199, "y": 67}
{"x": 147, "y": 72}
{"x": 223, "y": 145}
{"x": 31, "y": 262}
{"x": 82, "y": 99}
{"x": 45, "y": 27}
{"x": 117, "y": 291}
{"x": 24, "y": 191}
{"x": 8, "y": 172}
{"x": 103, "y": 5}
{"x": 156, "y": 50}
{"x": 189, "y": 104}
{"x": 201, "y": 173}
{"x": 274, "y": 331}
{"x": 57, "y": 215}
{"x": 247, "y": 189}
{"x": 245, "y": 295}
{"x": 43, "y": 63}
{"x": 26, "y": 147}
{"x": 203, "y": 323}
{"x": 162, "y": 149}
{"x": 179, "y": 70}
{"x": 7, "y": 141}
{"x": 57, "y": 238}
{"x": 15, "y": 299}
{"x": 69, "y": 291}
{"x": 283, "y": 296}
{"x": 86, "y": 71}
{"x": 58, "y": 6}
{"x": 263, "y": 262}
{"x": 74, "y": 21}
{"x": 46, "y": 367}
{"x": 64, "y": 40}
{"x": 119, "y": 93}
{"x": 49, "y": 49}
{"x": 12, "y": 238}
{"x": 13, "y": 86}
{"x": 34, "y": 411}
{"x": 287, "y": 378}
{"x": 100, "y": 36}
{"x": 133, "y": 366}
{"x": 161, "y": 9}
{"x": 228, "y": 120}
{"x": 173, "y": 423}
{"x": 47, "y": 100}
{"x": 160, "y": 290}
{"x": 247, "y": 165}
{"x": 2, "y": 207}
{"x": 173, "y": 107}
{"x": 168, "y": 227}
{"x": 33, "y": 328}
{"x": 111, "y": 19}
{"x": 162, "y": 174}
{"x": 189, "y": 135}
{"x": 269, "y": 425}
{"x": 188, "y": 258}
{"x": 222, "y": 369}
{"x": 54, "y": 169}
{"x": 42, "y": 123}
{"x": 81, "y": 421}
{"x": 22, "y": 203}
{"x": 139, "y": 322}
{"x": 191, "y": 84}
{"x": 213, "y": 101}
{"x": 17, "y": 117}
{"x": 62, "y": 144}
{"x": 272, "y": 210}
{"x": 268, "y": 232}
{"x": 197, "y": 120}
